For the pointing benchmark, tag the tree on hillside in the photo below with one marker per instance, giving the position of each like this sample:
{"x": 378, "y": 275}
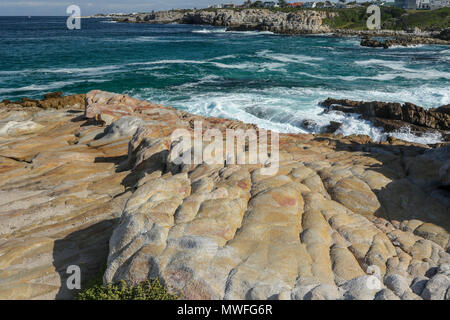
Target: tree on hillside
{"x": 282, "y": 3}
{"x": 248, "y": 3}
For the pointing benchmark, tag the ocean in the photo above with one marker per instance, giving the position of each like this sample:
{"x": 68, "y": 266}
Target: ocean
{"x": 275, "y": 81}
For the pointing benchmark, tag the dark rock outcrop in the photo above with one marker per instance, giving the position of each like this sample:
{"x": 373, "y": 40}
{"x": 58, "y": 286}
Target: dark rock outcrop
{"x": 367, "y": 42}
{"x": 394, "y": 116}
{"x": 401, "y": 40}
{"x": 333, "y": 127}
{"x": 444, "y": 35}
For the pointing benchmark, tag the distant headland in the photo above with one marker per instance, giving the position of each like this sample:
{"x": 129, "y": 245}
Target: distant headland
{"x": 402, "y": 26}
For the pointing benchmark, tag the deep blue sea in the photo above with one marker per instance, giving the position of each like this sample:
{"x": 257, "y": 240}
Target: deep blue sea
{"x": 273, "y": 80}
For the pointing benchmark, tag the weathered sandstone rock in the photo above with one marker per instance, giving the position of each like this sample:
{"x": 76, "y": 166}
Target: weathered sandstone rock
{"x": 343, "y": 218}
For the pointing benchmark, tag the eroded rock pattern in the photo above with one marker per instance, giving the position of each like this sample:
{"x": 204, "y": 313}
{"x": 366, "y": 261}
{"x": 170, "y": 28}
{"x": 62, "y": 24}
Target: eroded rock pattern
{"x": 343, "y": 218}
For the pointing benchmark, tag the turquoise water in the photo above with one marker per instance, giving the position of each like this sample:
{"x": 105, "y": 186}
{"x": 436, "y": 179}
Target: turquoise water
{"x": 272, "y": 80}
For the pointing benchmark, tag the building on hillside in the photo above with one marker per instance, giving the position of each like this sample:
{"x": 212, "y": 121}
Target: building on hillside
{"x": 309, "y": 5}
{"x": 405, "y": 4}
{"x": 438, "y": 4}
{"x": 228, "y": 6}
{"x": 216, "y": 6}
{"x": 295, "y": 5}
{"x": 270, "y": 4}
{"x": 423, "y": 4}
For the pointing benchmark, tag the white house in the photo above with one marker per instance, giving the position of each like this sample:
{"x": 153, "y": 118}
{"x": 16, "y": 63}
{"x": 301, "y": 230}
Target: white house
{"x": 423, "y": 4}
{"x": 270, "y": 4}
{"x": 309, "y": 5}
{"x": 437, "y": 4}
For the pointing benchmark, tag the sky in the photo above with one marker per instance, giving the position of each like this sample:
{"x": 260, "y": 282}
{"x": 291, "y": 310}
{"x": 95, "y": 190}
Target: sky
{"x": 90, "y": 7}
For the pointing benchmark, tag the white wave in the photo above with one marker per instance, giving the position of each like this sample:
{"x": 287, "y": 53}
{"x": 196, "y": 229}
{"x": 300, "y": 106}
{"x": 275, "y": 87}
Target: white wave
{"x": 425, "y": 138}
{"x": 271, "y": 66}
{"x": 110, "y": 21}
{"x": 150, "y": 39}
{"x": 85, "y": 71}
{"x": 90, "y": 70}
{"x": 285, "y": 109}
{"x": 409, "y": 46}
{"x": 181, "y": 61}
{"x": 224, "y": 30}
{"x": 45, "y": 88}
{"x": 328, "y": 34}
{"x": 229, "y": 56}
{"x": 392, "y": 64}
{"x": 403, "y": 71}
{"x": 203, "y": 80}
{"x": 288, "y": 58}
{"x": 207, "y": 31}
{"x": 33, "y": 87}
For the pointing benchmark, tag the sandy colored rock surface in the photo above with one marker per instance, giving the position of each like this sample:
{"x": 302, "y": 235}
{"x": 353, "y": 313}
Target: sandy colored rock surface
{"x": 343, "y": 218}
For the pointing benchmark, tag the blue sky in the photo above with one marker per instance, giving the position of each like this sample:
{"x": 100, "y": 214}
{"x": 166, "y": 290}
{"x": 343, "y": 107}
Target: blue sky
{"x": 88, "y": 7}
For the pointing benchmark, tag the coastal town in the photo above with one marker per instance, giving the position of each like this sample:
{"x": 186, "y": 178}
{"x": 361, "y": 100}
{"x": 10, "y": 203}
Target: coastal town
{"x": 340, "y": 4}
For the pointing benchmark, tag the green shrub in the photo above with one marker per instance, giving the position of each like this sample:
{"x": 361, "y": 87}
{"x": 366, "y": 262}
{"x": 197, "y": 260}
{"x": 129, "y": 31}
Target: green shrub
{"x": 147, "y": 290}
{"x": 429, "y": 19}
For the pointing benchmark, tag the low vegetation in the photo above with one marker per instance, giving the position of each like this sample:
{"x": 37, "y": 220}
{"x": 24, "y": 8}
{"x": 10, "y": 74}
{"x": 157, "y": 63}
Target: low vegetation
{"x": 356, "y": 18}
{"x": 423, "y": 19}
{"x": 147, "y": 290}
{"x": 392, "y": 18}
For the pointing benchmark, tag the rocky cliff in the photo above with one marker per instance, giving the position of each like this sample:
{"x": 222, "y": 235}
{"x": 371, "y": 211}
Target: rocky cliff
{"x": 305, "y": 21}
{"x": 92, "y": 182}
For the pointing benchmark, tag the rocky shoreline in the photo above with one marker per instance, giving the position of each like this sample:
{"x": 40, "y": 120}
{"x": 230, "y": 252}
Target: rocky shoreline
{"x": 402, "y": 40}
{"x": 302, "y": 22}
{"x": 394, "y": 117}
{"x": 293, "y": 23}
{"x": 87, "y": 179}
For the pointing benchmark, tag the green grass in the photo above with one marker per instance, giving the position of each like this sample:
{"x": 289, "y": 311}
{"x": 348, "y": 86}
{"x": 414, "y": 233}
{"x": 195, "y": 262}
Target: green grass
{"x": 356, "y": 18}
{"x": 392, "y": 18}
{"x": 424, "y": 19}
